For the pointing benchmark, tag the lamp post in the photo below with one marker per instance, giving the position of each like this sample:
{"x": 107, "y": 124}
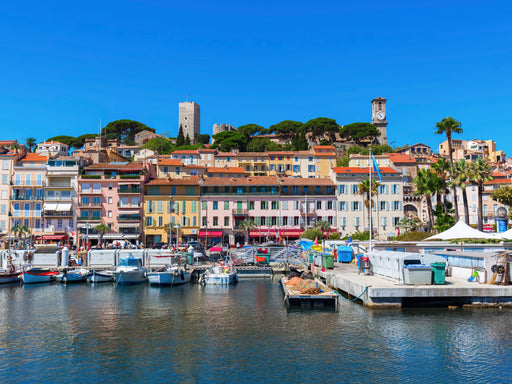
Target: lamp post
{"x": 170, "y": 223}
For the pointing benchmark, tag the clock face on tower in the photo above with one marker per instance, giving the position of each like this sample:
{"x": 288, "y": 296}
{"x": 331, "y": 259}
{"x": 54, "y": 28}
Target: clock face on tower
{"x": 380, "y": 116}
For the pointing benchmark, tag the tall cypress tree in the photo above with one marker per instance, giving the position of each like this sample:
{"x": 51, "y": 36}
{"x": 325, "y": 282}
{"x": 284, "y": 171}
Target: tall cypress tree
{"x": 187, "y": 140}
{"x": 180, "y": 140}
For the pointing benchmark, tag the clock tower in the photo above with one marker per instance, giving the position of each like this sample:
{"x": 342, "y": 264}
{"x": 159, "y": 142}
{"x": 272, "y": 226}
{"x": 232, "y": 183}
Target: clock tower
{"x": 379, "y": 118}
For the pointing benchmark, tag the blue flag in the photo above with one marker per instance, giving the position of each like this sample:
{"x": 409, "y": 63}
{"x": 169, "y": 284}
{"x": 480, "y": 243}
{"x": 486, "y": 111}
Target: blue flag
{"x": 376, "y": 168}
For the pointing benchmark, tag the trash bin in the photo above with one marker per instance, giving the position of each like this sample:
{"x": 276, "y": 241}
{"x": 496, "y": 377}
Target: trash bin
{"x": 418, "y": 274}
{"x": 328, "y": 261}
{"x": 438, "y": 273}
{"x": 344, "y": 254}
{"x": 360, "y": 262}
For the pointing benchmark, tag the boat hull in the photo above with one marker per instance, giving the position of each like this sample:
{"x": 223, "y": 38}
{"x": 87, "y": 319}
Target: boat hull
{"x": 130, "y": 277}
{"x": 73, "y": 277}
{"x": 10, "y": 278}
{"x": 220, "y": 278}
{"x": 101, "y": 277}
{"x": 35, "y": 277}
{"x": 169, "y": 278}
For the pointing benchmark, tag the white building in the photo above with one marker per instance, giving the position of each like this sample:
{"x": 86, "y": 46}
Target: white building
{"x": 52, "y": 148}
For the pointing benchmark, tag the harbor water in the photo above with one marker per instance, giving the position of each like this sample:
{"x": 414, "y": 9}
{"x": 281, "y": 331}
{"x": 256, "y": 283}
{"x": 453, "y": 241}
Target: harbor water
{"x": 238, "y": 334}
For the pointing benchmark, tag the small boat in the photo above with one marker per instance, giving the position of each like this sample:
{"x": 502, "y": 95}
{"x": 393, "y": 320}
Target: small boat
{"x": 130, "y": 271}
{"x": 171, "y": 275}
{"x": 37, "y": 275}
{"x": 9, "y": 276}
{"x": 101, "y": 277}
{"x": 11, "y": 266}
{"x": 220, "y": 275}
{"x": 73, "y": 276}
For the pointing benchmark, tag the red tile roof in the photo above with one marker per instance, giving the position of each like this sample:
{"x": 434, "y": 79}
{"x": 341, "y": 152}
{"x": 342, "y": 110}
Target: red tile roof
{"x": 225, "y": 170}
{"x": 35, "y": 157}
{"x": 185, "y": 152}
{"x": 401, "y": 158}
{"x": 306, "y": 181}
{"x": 499, "y": 181}
{"x": 226, "y": 154}
{"x": 165, "y": 181}
{"x": 170, "y": 162}
{"x": 113, "y": 166}
{"x": 331, "y": 147}
{"x": 252, "y": 180}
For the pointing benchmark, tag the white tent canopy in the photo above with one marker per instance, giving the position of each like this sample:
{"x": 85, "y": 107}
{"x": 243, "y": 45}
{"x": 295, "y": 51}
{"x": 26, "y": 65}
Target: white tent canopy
{"x": 461, "y": 231}
{"x": 507, "y": 235}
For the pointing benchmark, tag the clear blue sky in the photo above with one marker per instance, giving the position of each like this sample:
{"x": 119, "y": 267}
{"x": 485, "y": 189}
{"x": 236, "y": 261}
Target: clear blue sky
{"x": 65, "y": 65}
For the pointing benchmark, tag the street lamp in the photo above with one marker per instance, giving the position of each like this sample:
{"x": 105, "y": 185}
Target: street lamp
{"x": 170, "y": 224}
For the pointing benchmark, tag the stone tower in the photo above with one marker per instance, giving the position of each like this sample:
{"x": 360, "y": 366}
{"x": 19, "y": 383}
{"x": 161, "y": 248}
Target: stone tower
{"x": 379, "y": 118}
{"x": 190, "y": 120}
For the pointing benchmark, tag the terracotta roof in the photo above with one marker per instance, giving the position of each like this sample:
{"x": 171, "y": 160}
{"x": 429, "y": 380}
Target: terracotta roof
{"x": 498, "y": 174}
{"x": 252, "y": 180}
{"x": 195, "y": 166}
{"x": 306, "y": 181}
{"x": 499, "y": 181}
{"x": 7, "y": 142}
{"x": 357, "y": 155}
{"x": 169, "y": 162}
{"x": 225, "y": 170}
{"x": 325, "y": 154}
{"x": 165, "y": 181}
{"x": 401, "y": 158}
{"x": 35, "y": 157}
{"x": 331, "y": 147}
{"x": 247, "y": 154}
{"x": 114, "y": 166}
{"x": 51, "y": 142}
{"x": 282, "y": 153}
{"x": 201, "y": 150}
{"x": 226, "y": 154}
{"x": 185, "y": 152}
{"x": 358, "y": 170}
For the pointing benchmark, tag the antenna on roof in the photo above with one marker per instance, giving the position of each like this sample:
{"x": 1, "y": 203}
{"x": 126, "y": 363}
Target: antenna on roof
{"x": 186, "y": 99}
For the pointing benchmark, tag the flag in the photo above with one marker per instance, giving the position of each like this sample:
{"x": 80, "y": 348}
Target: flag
{"x": 316, "y": 240}
{"x": 277, "y": 234}
{"x": 376, "y": 168}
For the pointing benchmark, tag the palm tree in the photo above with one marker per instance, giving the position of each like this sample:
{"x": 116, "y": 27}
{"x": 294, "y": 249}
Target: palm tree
{"x": 247, "y": 225}
{"x": 20, "y": 231}
{"x": 481, "y": 172}
{"x": 427, "y": 183}
{"x": 101, "y": 229}
{"x": 442, "y": 169}
{"x": 367, "y": 193}
{"x": 448, "y": 126}
{"x": 30, "y": 142}
{"x": 460, "y": 176}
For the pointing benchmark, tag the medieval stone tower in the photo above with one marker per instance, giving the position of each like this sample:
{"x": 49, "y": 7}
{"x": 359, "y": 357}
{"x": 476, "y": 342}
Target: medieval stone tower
{"x": 190, "y": 120}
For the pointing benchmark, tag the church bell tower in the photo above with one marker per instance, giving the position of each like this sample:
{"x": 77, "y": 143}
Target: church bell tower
{"x": 379, "y": 118}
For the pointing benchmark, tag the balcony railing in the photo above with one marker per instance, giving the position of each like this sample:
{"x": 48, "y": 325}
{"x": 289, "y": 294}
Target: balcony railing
{"x": 128, "y": 218}
{"x": 58, "y": 213}
{"x": 128, "y": 190}
{"x": 240, "y": 211}
{"x": 246, "y": 193}
{"x": 88, "y": 218}
{"x": 58, "y": 198}
{"x": 128, "y": 205}
{"x": 27, "y": 198}
{"x": 89, "y": 205}
{"x": 22, "y": 183}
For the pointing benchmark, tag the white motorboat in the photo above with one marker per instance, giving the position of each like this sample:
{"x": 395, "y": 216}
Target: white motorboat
{"x": 9, "y": 276}
{"x": 220, "y": 275}
{"x": 78, "y": 275}
{"x": 37, "y": 275}
{"x": 171, "y": 275}
{"x": 101, "y": 277}
{"x": 130, "y": 271}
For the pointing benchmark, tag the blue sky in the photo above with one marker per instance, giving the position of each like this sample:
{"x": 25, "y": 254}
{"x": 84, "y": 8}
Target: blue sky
{"x": 65, "y": 65}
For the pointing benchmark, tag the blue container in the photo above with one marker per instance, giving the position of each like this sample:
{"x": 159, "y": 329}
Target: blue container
{"x": 344, "y": 254}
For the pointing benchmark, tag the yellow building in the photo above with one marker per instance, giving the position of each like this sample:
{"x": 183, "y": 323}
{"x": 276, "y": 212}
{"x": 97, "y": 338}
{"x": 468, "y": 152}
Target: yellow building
{"x": 171, "y": 203}
{"x": 280, "y": 163}
{"x": 254, "y": 163}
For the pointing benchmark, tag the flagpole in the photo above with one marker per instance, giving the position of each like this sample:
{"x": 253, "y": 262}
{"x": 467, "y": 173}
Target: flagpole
{"x": 370, "y": 192}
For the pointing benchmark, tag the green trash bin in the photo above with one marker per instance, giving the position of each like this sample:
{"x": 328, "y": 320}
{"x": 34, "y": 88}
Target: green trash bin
{"x": 438, "y": 273}
{"x": 328, "y": 261}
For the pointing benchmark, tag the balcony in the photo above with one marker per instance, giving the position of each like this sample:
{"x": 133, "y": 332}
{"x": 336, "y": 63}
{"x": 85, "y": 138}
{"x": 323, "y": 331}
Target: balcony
{"x": 89, "y": 205}
{"x": 58, "y": 198}
{"x": 309, "y": 212}
{"x": 245, "y": 193}
{"x": 120, "y": 205}
{"x": 21, "y": 183}
{"x": 128, "y": 190}
{"x": 240, "y": 212}
{"x": 58, "y": 214}
{"x": 88, "y": 218}
{"x": 27, "y": 198}
{"x": 128, "y": 218}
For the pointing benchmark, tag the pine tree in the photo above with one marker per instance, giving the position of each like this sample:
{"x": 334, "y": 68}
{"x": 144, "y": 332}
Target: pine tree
{"x": 180, "y": 140}
{"x": 187, "y": 140}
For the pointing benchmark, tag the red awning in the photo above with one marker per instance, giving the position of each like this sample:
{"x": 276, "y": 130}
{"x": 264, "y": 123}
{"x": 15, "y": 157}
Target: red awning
{"x": 210, "y": 234}
{"x": 291, "y": 232}
{"x": 55, "y": 237}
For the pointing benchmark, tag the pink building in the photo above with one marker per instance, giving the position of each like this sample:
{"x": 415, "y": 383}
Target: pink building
{"x": 111, "y": 193}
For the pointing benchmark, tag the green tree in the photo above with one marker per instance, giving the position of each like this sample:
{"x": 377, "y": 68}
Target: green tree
{"x": 460, "y": 176}
{"x": 102, "y": 229}
{"x": 503, "y": 195}
{"x": 360, "y": 131}
{"x": 68, "y": 140}
{"x": 343, "y": 162}
{"x": 322, "y": 225}
{"x": 159, "y": 144}
{"x": 247, "y": 225}
{"x": 203, "y": 138}
{"x": 442, "y": 169}
{"x": 187, "y": 140}
{"x": 249, "y": 130}
{"x": 443, "y": 221}
{"x": 30, "y": 142}
{"x": 262, "y": 144}
{"x": 228, "y": 140}
{"x": 180, "y": 140}
{"x": 79, "y": 141}
{"x": 427, "y": 183}
{"x": 322, "y": 126}
{"x": 20, "y": 231}
{"x": 449, "y": 126}
{"x": 288, "y": 128}
{"x": 300, "y": 143}
{"x": 312, "y": 234}
{"x": 354, "y": 150}
{"x": 124, "y": 130}
{"x": 334, "y": 236}
{"x": 481, "y": 172}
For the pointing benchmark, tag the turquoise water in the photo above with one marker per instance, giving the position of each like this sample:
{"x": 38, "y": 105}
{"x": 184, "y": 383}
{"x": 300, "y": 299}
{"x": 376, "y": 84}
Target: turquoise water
{"x": 240, "y": 334}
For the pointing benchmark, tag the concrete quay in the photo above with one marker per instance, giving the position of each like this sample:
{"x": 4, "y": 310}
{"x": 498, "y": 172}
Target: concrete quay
{"x": 379, "y": 292}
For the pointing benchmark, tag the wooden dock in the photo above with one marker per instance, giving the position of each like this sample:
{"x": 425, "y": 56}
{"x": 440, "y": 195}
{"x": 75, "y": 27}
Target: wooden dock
{"x": 293, "y": 297}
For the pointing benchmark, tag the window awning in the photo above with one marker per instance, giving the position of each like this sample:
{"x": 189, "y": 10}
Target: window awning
{"x": 210, "y": 233}
{"x": 64, "y": 207}
{"x": 50, "y": 206}
{"x": 55, "y": 237}
{"x": 128, "y": 225}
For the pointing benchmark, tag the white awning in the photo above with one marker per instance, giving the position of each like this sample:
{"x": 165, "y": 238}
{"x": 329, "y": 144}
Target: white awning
{"x": 128, "y": 225}
{"x": 129, "y": 212}
{"x": 64, "y": 207}
{"x": 50, "y": 206}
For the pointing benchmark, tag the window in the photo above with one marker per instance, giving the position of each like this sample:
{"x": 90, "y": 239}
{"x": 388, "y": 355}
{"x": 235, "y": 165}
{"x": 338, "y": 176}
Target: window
{"x": 226, "y": 205}
{"x": 296, "y": 220}
{"x": 272, "y": 167}
{"x": 318, "y": 205}
{"x": 84, "y": 200}
{"x": 329, "y": 205}
{"x": 485, "y": 210}
{"x": 343, "y": 221}
{"x": 160, "y": 221}
{"x": 275, "y": 205}
{"x": 383, "y": 221}
{"x": 356, "y": 206}
{"x": 109, "y": 213}
{"x": 159, "y": 207}
{"x": 341, "y": 189}
{"x": 310, "y": 158}
{"x": 395, "y": 189}
{"x": 395, "y": 221}
{"x": 96, "y": 200}
{"x": 85, "y": 187}
{"x": 306, "y": 189}
{"x": 250, "y": 204}
{"x": 397, "y": 206}
{"x": 264, "y": 205}
{"x": 285, "y": 204}
{"x": 204, "y": 221}
{"x": 311, "y": 168}
{"x": 173, "y": 191}
{"x": 495, "y": 209}
{"x": 96, "y": 188}
{"x": 150, "y": 207}
{"x": 3, "y": 209}
{"x": 356, "y": 222}
{"x": 296, "y": 168}
{"x": 39, "y": 179}
{"x": 28, "y": 179}
{"x": 4, "y": 179}
{"x": 215, "y": 205}
{"x": 382, "y": 205}
{"x": 226, "y": 221}
{"x": 194, "y": 207}
{"x": 203, "y": 205}
{"x": 273, "y": 220}
{"x": 342, "y": 205}
{"x": 5, "y": 164}
{"x": 262, "y": 221}
{"x": 215, "y": 221}
{"x": 382, "y": 189}
{"x": 355, "y": 188}
{"x": 149, "y": 221}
